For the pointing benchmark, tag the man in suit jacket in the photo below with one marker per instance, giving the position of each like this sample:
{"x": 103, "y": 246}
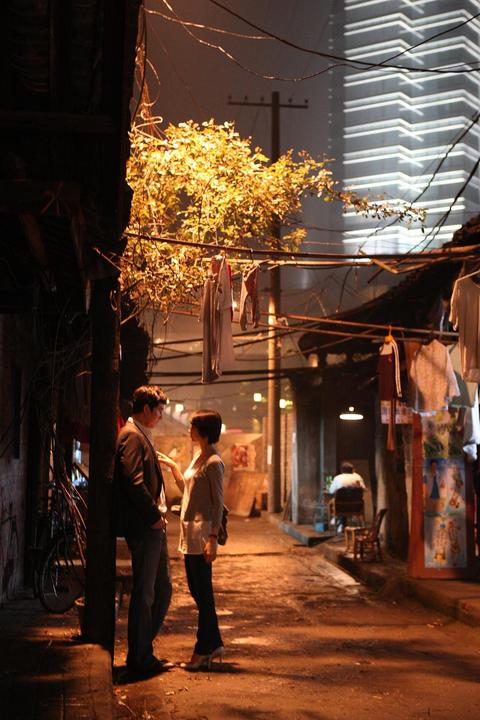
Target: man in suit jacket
{"x": 140, "y": 507}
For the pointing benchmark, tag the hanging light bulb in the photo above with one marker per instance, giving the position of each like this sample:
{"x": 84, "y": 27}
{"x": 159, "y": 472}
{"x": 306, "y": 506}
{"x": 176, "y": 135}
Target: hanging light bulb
{"x": 351, "y": 414}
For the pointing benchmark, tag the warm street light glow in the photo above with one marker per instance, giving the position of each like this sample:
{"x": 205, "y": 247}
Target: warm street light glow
{"x": 282, "y": 403}
{"x": 179, "y": 407}
{"x": 351, "y": 414}
{"x": 257, "y": 397}
{"x": 224, "y": 427}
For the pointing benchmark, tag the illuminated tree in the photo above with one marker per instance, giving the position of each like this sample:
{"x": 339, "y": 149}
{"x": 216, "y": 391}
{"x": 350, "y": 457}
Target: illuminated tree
{"x": 205, "y": 184}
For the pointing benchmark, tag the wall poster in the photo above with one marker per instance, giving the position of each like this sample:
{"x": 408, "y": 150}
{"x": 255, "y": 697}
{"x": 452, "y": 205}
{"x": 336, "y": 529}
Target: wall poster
{"x": 441, "y": 540}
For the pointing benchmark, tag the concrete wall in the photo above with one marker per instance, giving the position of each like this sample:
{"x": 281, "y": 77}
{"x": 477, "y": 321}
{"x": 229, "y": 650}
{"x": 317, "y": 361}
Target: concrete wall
{"x": 15, "y": 338}
{"x": 306, "y": 485}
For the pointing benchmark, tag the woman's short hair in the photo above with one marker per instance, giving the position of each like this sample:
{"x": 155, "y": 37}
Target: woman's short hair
{"x": 208, "y": 423}
{"x": 151, "y": 395}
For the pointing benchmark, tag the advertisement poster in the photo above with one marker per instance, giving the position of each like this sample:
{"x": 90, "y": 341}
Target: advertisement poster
{"x": 403, "y": 414}
{"x": 443, "y": 489}
{"x": 243, "y": 456}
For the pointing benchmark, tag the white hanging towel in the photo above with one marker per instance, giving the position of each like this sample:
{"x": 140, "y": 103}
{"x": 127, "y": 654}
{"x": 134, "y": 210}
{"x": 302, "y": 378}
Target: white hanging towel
{"x": 433, "y": 378}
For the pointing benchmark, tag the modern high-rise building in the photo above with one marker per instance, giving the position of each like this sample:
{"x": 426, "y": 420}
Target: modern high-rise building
{"x": 390, "y": 128}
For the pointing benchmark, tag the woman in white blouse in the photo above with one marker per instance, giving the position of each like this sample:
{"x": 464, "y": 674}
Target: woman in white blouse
{"x": 200, "y": 519}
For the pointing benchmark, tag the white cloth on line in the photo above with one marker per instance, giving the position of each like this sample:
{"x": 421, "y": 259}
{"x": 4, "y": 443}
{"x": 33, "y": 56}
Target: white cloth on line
{"x": 433, "y": 378}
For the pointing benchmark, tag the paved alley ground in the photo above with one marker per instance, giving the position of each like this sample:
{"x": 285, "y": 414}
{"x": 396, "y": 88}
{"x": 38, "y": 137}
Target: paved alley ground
{"x": 304, "y": 641}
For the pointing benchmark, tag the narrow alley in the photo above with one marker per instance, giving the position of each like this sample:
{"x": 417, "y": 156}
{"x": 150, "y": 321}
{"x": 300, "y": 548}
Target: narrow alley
{"x": 303, "y": 641}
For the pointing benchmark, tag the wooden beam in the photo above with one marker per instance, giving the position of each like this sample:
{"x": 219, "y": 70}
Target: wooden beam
{"x": 59, "y": 122}
{"x": 100, "y": 574}
{"x": 15, "y": 301}
{"x": 39, "y": 197}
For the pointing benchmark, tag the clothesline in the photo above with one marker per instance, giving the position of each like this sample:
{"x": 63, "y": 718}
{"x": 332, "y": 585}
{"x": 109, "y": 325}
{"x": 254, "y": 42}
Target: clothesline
{"x": 332, "y": 264}
{"x": 436, "y": 253}
{"x": 375, "y": 326}
{"x": 364, "y": 336}
{"x": 447, "y": 335}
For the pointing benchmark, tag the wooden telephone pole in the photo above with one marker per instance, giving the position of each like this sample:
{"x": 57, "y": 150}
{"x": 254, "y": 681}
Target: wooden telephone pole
{"x": 274, "y": 304}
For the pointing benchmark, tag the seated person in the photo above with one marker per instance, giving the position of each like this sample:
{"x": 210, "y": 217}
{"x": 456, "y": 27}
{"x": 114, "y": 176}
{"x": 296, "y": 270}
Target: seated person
{"x": 347, "y": 478}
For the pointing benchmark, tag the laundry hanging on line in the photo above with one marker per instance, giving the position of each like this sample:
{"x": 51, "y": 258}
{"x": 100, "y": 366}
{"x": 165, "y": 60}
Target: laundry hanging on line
{"x": 465, "y": 317}
{"x": 389, "y": 385}
{"x": 216, "y": 315}
{"x": 249, "y": 296}
{"x": 433, "y": 379}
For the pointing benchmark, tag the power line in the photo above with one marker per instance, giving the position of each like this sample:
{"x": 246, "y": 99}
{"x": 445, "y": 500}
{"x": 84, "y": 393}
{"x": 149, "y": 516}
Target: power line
{"x": 318, "y": 319}
{"x": 450, "y": 148}
{"x": 438, "y": 226}
{"x": 436, "y": 254}
{"x": 349, "y": 61}
{"x": 235, "y": 60}
{"x": 219, "y": 382}
{"x": 432, "y": 37}
{"x": 202, "y": 26}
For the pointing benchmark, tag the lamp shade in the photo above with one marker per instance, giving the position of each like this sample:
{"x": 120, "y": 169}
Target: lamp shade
{"x": 350, "y": 414}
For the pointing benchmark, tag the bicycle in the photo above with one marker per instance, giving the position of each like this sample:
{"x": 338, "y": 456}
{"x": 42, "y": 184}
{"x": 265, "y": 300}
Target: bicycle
{"x": 61, "y": 576}
{"x": 9, "y": 559}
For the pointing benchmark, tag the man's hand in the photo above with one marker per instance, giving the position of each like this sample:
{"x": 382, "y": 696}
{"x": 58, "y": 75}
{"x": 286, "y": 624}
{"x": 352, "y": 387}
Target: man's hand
{"x": 161, "y": 524}
{"x": 210, "y": 549}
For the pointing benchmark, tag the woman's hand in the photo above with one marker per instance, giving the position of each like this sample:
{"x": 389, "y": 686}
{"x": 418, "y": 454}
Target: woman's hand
{"x": 210, "y": 549}
{"x": 166, "y": 460}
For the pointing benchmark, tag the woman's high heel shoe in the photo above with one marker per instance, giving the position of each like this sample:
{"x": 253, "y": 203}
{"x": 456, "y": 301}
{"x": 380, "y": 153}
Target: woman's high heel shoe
{"x": 218, "y": 653}
{"x": 199, "y": 661}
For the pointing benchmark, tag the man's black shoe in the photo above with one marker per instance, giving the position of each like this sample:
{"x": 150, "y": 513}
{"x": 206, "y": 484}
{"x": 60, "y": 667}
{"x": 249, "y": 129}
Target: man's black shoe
{"x": 153, "y": 668}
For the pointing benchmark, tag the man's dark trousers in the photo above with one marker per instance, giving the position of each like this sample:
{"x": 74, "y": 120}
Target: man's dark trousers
{"x": 151, "y": 594}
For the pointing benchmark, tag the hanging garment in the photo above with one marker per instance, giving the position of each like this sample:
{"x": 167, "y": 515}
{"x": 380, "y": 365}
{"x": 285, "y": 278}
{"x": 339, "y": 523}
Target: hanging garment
{"x": 410, "y": 348}
{"x": 433, "y": 379}
{"x": 389, "y": 387}
{"x": 468, "y": 390}
{"x": 465, "y": 316}
{"x": 216, "y": 316}
{"x": 471, "y": 430}
{"x": 249, "y": 291}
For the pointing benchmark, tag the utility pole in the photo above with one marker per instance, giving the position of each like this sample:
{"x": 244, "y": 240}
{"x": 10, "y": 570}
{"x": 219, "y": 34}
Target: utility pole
{"x": 274, "y": 309}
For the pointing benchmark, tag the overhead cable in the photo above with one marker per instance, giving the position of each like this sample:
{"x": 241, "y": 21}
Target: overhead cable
{"x": 443, "y": 253}
{"x": 330, "y": 56}
{"x": 235, "y": 60}
{"x": 443, "y": 159}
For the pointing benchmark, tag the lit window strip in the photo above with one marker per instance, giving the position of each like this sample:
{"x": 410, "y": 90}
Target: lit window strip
{"x": 414, "y": 27}
{"x": 420, "y": 130}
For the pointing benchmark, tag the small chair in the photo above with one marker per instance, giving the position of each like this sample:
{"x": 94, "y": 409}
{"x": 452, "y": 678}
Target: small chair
{"x": 348, "y": 503}
{"x": 366, "y": 541}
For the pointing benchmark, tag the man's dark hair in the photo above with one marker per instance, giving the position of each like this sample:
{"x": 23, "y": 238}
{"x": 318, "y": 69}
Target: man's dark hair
{"x": 208, "y": 423}
{"x": 347, "y": 467}
{"x": 150, "y": 395}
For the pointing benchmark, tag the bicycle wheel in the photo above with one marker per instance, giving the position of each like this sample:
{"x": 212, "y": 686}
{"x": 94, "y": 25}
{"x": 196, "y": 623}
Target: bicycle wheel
{"x": 61, "y": 577}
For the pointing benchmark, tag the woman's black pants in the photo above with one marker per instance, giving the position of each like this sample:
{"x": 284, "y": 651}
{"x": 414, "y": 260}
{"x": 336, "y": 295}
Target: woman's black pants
{"x": 199, "y": 577}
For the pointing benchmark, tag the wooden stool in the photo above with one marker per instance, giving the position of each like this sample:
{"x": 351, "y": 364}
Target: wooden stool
{"x": 351, "y": 532}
